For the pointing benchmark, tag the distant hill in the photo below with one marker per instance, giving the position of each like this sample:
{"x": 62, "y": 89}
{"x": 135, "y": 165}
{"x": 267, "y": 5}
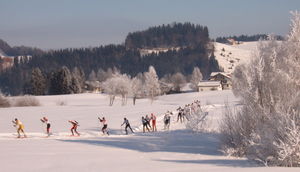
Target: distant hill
{"x": 18, "y": 50}
{"x": 167, "y": 36}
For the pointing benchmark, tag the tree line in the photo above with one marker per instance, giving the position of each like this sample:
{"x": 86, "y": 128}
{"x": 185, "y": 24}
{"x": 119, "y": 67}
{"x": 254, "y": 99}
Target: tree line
{"x": 247, "y": 38}
{"x": 170, "y": 35}
{"x": 128, "y": 60}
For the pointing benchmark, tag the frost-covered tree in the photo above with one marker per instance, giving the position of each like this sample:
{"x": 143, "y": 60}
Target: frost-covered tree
{"x": 152, "y": 86}
{"x": 110, "y": 88}
{"x": 79, "y": 74}
{"x": 118, "y": 84}
{"x": 196, "y": 78}
{"x": 178, "y": 81}
{"x": 267, "y": 127}
{"x": 123, "y": 86}
{"x": 137, "y": 88}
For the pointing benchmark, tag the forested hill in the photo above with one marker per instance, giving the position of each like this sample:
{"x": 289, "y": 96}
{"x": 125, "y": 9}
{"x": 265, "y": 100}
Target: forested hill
{"x": 196, "y": 52}
{"x": 166, "y": 36}
{"x": 19, "y": 50}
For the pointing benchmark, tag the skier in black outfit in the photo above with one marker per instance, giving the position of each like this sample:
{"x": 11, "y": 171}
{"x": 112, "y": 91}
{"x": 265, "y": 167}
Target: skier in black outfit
{"x": 127, "y": 125}
{"x": 145, "y": 124}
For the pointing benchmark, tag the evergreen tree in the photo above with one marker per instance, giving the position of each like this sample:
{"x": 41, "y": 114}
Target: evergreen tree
{"x": 38, "y": 82}
{"x": 78, "y": 74}
{"x": 61, "y": 81}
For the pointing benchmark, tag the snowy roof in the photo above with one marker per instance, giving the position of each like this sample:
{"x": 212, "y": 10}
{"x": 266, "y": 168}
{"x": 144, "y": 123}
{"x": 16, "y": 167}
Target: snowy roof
{"x": 221, "y": 73}
{"x": 209, "y": 84}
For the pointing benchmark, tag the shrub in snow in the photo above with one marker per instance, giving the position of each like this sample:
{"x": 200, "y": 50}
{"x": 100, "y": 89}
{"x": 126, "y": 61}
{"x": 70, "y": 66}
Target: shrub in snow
{"x": 61, "y": 103}
{"x": 26, "y": 101}
{"x": 4, "y": 102}
{"x": 267, "y": 127}
{"x": 197, "y": 119}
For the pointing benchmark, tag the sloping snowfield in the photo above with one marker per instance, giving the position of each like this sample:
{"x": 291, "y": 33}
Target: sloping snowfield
{"x": 174, "y": 150}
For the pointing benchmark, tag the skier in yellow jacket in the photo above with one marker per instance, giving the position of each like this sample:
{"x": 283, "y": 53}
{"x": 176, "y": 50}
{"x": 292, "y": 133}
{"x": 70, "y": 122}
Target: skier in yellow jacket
{"x": 20, "y": 127}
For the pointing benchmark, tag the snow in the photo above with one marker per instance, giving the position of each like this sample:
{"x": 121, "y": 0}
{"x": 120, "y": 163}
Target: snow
{"x": 175, "y": 150}
{"x": 233, "y": 54}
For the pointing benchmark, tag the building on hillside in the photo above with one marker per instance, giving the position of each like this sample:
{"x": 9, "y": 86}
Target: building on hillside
{"x": 209, "y": 86}
{"x": 147, "y": 51}
{"x": 224, "y": 78}
{"x": 6, "y": 63}
{"x": 93, "y": 86}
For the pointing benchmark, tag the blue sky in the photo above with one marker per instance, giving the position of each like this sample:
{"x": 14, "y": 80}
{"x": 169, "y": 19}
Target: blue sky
{"x": 83, "y": 23}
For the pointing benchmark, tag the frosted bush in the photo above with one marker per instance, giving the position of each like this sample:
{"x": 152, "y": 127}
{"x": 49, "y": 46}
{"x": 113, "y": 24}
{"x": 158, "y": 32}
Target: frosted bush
{"x": 266, "y": 128}
{"x": 197, "y": 120}
{"x": 26, "y": 101}
{"x": 4, "y": 102}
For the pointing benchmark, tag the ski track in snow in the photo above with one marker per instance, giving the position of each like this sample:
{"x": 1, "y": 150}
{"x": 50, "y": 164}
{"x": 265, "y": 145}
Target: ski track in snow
{"x": 175, "y": 150}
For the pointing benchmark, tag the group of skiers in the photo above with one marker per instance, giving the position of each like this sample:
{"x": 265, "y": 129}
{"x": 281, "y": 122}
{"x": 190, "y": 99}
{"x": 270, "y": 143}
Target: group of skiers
{"x": 184, "y": 113}
{"x": 149, "y": 123}
{"x": 146, "y": 123}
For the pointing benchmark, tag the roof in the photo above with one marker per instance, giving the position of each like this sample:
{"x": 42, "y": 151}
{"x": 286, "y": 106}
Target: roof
{"x": 209, "y": 84}
{"x": 228, "y": 75}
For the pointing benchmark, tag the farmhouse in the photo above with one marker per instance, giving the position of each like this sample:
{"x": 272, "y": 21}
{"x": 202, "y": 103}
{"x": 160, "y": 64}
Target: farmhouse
{"x": 209, "y": 86}
{"x": 93, "y": 86}
{"x": 224, "y": 78}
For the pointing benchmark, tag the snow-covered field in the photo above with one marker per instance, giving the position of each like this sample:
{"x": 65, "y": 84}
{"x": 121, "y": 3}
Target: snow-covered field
{"x": 174, "y": 150}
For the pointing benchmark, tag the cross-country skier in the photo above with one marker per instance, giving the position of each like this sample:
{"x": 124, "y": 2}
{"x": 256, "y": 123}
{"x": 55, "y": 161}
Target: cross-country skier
{"x": 104, "y": 128}
{"x": 180, "y": 114}
{"x": 145, "y": 124}
{"x": 47, "y": 122}
{"x": 74, "y": 127}
{"x": 20, "y": 127}
{"x": 153, "y": 118}
{"x": 148, "y": 121}
{"x": 127, "y": 125}
{"x": 167, "y": 120}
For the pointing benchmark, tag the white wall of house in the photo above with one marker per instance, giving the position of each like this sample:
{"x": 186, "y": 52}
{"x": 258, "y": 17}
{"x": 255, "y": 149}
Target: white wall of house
{"x": 209, "y": 86}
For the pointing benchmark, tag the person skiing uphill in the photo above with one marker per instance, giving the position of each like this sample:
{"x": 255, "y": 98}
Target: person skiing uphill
{"x": 20, "y": 127}
{"x": 104, "y": 128}
{"x": 74, "y": 127}
{"x": 127, "y": 125}
{"x": 47, "y": 122}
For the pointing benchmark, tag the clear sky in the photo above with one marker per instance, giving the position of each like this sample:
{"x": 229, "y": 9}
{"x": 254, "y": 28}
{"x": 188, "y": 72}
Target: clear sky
{"x": 51, "y": 24}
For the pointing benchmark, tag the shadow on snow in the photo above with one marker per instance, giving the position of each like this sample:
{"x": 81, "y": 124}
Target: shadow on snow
{"x": 179, "y": 141}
